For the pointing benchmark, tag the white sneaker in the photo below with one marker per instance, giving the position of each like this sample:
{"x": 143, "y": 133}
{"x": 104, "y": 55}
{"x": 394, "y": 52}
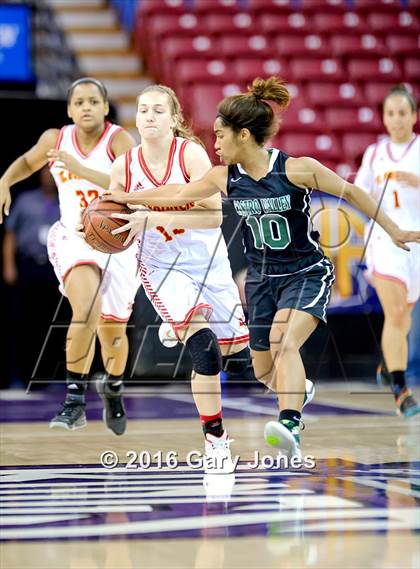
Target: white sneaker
{"x": 218, "y": 459}
{"x": 218, "y": 487}
{"x": 167, "y": 335}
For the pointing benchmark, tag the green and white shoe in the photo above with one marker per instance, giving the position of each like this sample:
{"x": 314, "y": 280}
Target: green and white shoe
{"x": 284, "y": 435}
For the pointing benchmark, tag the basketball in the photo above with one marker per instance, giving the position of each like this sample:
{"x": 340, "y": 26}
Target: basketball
{"x": 98, "y": 224}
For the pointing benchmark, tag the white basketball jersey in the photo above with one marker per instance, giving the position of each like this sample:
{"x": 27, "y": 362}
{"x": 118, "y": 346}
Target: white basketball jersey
{"x": 378, "y": 175}
{"x": 76, "y": 193}
{"x": 189, "y": 248}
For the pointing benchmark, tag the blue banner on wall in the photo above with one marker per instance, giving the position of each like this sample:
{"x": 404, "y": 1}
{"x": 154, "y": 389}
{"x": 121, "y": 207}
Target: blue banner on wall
{"x": 15, "y": 43}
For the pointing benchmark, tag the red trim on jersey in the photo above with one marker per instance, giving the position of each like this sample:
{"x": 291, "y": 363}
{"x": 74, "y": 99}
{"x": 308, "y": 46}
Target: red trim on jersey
{"x": 57, "y": 144}
{"x": 190, "y": 314}
{"x": 182, "y": 160}
{"x": 79, "y": 264}
{"x": 388, "y": 149}
{"x": 231, "y": 341}
{"x": 168, "y": 172}
{"x": 109, "y": 150}
{"x": 111, "y": 317}
{"x": 128, "y": 159}
{"x": 389, "y": 278}
{"x": 76, "y": 143}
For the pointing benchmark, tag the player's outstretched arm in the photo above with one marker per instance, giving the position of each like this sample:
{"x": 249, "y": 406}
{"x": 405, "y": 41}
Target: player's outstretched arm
{"x": 309, "y": 173}
{"x": 24, "y": 166}
{"x": 213, "y": 182}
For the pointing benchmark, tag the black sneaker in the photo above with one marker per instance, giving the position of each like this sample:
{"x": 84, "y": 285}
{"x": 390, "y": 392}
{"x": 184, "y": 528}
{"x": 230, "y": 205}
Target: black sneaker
{"x": 383, "y": 377}
{"x": 72, "y": 415}
{"x": 114, "y": 411}
{"x": 407, "y": 406}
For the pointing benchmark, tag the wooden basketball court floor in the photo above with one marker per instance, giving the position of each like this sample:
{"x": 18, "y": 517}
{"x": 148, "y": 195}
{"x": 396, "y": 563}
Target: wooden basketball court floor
{"x": 358, "y": 508}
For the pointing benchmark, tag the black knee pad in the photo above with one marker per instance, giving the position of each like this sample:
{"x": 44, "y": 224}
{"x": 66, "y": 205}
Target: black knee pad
{"x": 205, "y": 352}
{"x": 239, "y": 365}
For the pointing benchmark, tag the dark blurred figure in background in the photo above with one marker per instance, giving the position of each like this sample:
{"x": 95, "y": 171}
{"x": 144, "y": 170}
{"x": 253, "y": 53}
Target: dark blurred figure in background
{"x": 29, "y": 276}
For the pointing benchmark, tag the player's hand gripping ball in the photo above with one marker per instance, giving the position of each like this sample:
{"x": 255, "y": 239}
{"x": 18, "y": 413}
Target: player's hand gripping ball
{"x": 98, "y": 225}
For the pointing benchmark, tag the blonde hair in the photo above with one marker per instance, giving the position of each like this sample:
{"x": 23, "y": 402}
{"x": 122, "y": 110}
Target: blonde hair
{"x": 250, "y": 110}
{"x": 182, "y": 129}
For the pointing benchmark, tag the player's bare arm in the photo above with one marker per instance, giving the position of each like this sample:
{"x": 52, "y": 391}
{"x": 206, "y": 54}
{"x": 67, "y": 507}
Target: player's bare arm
{"x": 212, "y": 183}
{"x": 24, "y": 166}
{"x": 308, "y": 172}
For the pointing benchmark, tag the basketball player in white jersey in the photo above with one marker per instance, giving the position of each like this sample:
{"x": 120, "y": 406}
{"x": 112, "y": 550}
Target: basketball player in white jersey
{"x": 100, "y": 288}
{"x": 390, "y": 171}
{"x": 183, "y": 257}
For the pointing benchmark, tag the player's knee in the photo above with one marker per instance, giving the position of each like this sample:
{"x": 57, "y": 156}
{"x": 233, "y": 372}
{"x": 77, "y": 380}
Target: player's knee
{"x": 285, "y": 345}
{"x": 397, "y": 316}
{"x": 205, "y": 352}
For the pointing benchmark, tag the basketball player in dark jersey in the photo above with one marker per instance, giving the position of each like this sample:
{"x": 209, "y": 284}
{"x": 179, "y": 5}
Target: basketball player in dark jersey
{"x": 289, "y": 278}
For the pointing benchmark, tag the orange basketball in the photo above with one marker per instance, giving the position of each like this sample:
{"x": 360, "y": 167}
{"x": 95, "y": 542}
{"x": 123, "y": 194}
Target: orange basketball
{"x": 98, "y": 224}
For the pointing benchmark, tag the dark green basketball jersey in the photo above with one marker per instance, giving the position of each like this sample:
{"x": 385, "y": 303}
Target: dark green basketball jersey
{"x": 276, "y": 217}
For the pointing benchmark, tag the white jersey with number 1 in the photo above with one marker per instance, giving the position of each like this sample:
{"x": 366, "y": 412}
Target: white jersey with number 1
{"x": 378, "y": 175}
{"x": 66, "y": 250}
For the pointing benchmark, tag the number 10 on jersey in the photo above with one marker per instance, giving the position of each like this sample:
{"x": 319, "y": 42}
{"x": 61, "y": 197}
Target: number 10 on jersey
{"x": 271, "y": 229}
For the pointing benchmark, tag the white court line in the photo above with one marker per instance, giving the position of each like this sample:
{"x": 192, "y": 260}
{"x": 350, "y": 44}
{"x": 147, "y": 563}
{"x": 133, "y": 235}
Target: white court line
{"x": 400, "y": 519}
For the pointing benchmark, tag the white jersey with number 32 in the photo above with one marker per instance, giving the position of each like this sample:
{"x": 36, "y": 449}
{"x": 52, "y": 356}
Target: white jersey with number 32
{"x": 76, "y": 193}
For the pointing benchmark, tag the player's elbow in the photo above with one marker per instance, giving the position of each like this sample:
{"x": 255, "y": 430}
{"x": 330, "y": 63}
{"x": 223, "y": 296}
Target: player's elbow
{"x": 350, "y": 193}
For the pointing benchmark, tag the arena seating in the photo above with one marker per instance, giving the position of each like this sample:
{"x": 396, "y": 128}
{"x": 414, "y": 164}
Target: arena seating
{"x": 339, "y": 61}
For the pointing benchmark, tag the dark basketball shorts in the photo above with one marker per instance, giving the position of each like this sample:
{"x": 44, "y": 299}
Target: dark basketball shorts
{"x": 267, "y": 292}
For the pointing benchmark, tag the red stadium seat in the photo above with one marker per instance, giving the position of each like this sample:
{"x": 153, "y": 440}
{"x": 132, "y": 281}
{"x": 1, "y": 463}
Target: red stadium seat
{"x": 400, "y": 22}
{"x": 355, "y": 144}
{"x": 412, "y": 69}
{"x": 361, "y": 119}
{"x": 365, "y": 69}
{"x": 380, "y": 5}
{"x": 277, "y": 24}
{"x": 151, "y": 7}
{"x": 203, "y": 100}
{"x": 195, "y": 70}
{"x": 332, "y": 94}
{"x": 298, "y": 117}
{"x": 175, "y": 48}
{"x": 366, "y": 44}
{"x": 375, "y": 92}
{"x": 245, "y": 46}
{"x": 220, "y": 6}
{"x": 349, "y": 22}
{"x": 321, "y": 146}
{"x": 274, "y": 6}
{"x": 247, "y": 69}
{"x": 186, "y": 24}
{"x": 403, "y": 44}
{"x": 239, "y": 23}
{"x": 292, "y": 45}
{"x": 313, "y": 69}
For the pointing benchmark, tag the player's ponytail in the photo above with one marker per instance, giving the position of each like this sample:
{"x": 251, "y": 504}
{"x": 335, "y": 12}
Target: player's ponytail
{"x": 251, "y": 110}
{"x": 271, "y": 89}
{"x": 401, "y": 89}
